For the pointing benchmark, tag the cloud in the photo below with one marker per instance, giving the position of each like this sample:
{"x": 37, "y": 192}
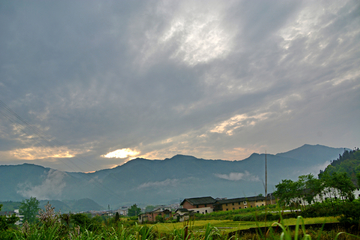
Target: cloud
{"x": 165, "y": 183}
{"x": 246, "y": 176}
{"x": 238, "y": 121}
{"x": 51, "y": 187}
{"x": 121, "y": 153}
{"x": 154, "y": 76}
{"x": 315, "y": 170}
{"x": 43, "y": 152}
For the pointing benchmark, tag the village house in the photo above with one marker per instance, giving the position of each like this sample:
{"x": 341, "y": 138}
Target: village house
{"x": 10, "y": 213}
{"x": 244, "y": 202}
{"x": 122, "y": 211}
{"x": 154, "y": 215}
{"x": 201, "y": 205}
{"x": 182, "y": 214}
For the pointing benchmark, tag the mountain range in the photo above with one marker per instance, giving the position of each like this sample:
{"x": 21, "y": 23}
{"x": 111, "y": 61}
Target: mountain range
{"x": 165, "y": 181}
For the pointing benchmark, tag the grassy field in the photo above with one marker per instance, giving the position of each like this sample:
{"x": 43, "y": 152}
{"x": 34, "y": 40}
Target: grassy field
{"x": 231, "y": 226}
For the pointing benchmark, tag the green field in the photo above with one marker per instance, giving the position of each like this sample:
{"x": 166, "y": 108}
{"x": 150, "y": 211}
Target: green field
{"x": 232, "y": 226}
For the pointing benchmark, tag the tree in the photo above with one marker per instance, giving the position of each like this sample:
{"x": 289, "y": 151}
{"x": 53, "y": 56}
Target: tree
{"x": 117, "y": 217}
{"x": 343, "y": 183}
{"x": 313, "y": 187}
{"x": 29, "y": 208}
{"x": 7, "y": 221}
{"x": 339, "y": 183}
{"x": 134, "y": 210}
{"x": 149, "y": 208}
{"x": 285, "y": 191}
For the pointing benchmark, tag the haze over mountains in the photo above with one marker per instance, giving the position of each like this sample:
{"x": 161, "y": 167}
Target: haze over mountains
{"x": 145, "y": 181}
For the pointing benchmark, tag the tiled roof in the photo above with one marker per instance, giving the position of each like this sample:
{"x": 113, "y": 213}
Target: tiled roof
{"x": 181, "y": 210}
{"x": 248, "y": 199}
{"x": 199, "y": 200}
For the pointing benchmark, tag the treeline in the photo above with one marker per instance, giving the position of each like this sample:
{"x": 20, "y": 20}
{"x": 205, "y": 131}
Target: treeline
{"x": 332, "y": 194}
{"x": 339, "y": 180}
{"x": 348, "y": 162}
{"x": 48, "y": 224}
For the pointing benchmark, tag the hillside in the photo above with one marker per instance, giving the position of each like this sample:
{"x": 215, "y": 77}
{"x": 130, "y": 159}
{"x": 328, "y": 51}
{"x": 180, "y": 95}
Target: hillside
{"x": 145, "y": 181}
{"x": 348, "y": 162}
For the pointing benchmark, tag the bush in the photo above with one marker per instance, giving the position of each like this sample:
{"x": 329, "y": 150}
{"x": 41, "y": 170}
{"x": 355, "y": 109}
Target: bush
{"x": 261, "y": 217}
{"x": 159, "y": 218}
{"x": 350, "y": 217}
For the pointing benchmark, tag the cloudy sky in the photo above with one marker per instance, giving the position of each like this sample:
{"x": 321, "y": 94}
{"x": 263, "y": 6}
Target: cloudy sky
{"x": 87, "y": 85}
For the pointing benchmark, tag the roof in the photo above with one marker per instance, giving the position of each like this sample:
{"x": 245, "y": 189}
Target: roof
{"x": 182, "y": 210}
{"x": 199, "y": 200}
{"x": 248, "y": 199}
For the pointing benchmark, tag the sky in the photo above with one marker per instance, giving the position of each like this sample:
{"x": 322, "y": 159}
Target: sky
{"x": 88, "y": 85}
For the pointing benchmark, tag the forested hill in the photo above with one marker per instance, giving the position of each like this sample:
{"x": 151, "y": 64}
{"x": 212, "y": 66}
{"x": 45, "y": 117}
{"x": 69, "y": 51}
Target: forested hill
{"x": 348, "y": 162}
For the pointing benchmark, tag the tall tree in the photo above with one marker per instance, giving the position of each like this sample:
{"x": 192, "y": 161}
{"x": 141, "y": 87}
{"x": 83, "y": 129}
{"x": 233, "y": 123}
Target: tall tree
{"x": 343, "y": 183}
{"x": 29, "y": 208}
{"x": 285, "y": 191}
{"x": 134, "y": 210}
{"x": 313, "y": 187}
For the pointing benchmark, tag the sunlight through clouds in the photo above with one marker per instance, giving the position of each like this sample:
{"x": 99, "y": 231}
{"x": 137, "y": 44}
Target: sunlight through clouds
{"x": 42, "y": 153}
{"x": 152, "y": 79}
{"x": 201, "y": 38}
{"x": 121, "y": 153}
{"x": 241, "y": 120}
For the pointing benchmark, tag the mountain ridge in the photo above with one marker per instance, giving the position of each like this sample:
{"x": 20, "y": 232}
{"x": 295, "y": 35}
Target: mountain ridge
{"x": 160, "y": 181}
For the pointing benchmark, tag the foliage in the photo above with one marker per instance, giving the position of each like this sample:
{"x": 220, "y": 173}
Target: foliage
{"x": 348, "y": 212}
{"x": 348, "y": 162}
{"x": 7, "y": 222}
{"x": 309, "y": 189}
{"x": 48, "y": 217}
{"x": 29, "y": 208}
{"x": 134, "y": 210}
{"x": 261, "y": 216}
{"x": 117, "y": 217}
{"x": 149, "y": 208}
{"x": 187, "y": 232}
{"x": 10, "y": 205}
{"x": 350, "y": 217}
{"x": 227, "y": 215}
{"x": 85, "y": 222}
{"x": 159, "y": 218}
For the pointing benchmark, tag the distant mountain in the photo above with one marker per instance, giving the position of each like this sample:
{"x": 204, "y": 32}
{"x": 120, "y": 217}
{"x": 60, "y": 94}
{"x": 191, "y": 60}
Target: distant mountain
{"x": 64, "y": 206}
{"x": 145, "y": 181}
{"x": 308, "y": 152}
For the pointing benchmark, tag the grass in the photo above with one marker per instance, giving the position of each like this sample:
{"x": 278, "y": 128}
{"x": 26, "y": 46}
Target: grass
{"x": 231, "y": 226}
{"x": 55, "y": 226}
{"x": 195, "y": 230}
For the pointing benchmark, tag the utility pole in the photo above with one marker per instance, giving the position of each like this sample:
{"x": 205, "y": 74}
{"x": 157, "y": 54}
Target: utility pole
{"x": 265, "y": 191}
{"x": 265, "y": 178}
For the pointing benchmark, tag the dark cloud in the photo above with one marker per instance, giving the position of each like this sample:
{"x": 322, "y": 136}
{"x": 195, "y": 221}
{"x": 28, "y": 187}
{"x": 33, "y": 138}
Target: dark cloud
{"x": 211, "y": 79}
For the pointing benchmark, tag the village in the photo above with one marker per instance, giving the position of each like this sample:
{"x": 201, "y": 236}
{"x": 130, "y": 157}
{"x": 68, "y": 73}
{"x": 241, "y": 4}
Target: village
{"x": 203, "y": 205}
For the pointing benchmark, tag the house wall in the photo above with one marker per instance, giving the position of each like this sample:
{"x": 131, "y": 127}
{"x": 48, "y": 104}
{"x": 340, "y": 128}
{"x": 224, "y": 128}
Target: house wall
{"x": 151, "y": 216}
{"x": 243, "y": 205}
{"x": 188, "y": 205}
{"x": 203, "y": 210}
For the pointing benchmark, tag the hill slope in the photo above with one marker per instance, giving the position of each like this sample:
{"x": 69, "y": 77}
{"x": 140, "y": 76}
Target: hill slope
{"x": 348, "y": 162}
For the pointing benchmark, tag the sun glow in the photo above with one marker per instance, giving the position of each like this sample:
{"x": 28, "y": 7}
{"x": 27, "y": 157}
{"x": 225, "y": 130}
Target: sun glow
{"x": 42, "y": 153}
{"x": 121, "y": 153}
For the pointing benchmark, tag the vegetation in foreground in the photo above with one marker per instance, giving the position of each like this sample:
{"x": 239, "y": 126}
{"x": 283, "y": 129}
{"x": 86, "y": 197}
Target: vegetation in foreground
{"x": 52, "y": 225}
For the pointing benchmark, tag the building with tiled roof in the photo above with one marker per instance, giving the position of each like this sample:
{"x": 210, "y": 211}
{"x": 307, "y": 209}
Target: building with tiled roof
{"x": 199, "y": 204}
